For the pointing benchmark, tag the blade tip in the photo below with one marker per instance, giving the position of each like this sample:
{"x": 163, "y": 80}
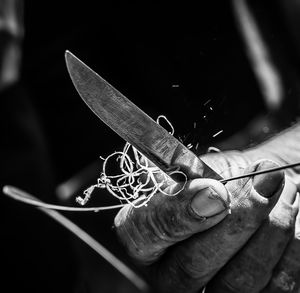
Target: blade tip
{"x": 68, "y": 54}
{"x": 69, "y": 59}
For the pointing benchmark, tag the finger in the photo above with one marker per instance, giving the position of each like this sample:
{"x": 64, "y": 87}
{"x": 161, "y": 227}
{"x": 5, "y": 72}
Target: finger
{"x": 251, "y": 268}
{"x": 147, "y": 231}
{"x": 286, "y": 276}
{"x": 192, "y": 263}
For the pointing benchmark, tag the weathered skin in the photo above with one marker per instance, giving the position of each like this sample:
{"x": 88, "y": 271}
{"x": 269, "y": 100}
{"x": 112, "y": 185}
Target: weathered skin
{"x": 251, "y": 269}
{"x": 147, "y": 231}
{"x": 165, "y": 235}
{"x": 191, "y": 264}
{"x": 286, "y": 277}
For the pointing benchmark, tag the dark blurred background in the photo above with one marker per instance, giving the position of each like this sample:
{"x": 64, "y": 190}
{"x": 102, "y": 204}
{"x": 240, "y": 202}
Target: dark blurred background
{"x": 187, "y": 62}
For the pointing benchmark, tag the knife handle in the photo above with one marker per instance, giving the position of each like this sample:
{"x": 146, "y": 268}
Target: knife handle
{"x": 191, "y": 165}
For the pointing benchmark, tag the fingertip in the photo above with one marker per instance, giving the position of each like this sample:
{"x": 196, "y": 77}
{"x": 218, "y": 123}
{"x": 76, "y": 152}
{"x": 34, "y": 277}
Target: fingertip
{"x": 268, "y": 184}
{"x": 289, "y": 194}
{"x": 219, "y": 191}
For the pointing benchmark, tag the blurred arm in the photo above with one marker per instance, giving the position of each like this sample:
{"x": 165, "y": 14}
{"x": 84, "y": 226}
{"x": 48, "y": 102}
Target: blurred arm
{"x": 11, "y": 35}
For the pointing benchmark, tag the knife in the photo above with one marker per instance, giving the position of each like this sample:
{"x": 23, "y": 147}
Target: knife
{"x": 133, "y": 125}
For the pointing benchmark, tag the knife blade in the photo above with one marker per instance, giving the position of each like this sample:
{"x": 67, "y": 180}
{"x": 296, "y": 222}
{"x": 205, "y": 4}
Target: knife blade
{"x": 133, "y": 125}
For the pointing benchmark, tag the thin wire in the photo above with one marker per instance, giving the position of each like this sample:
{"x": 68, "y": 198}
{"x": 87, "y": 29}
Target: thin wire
{"x": 85, "y": 237}
{"x": 260, "y": 172}
{"x": 20, "y": 195}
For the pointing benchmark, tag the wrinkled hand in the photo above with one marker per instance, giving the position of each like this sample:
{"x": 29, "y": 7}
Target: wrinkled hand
{"x": 190, "y": 240}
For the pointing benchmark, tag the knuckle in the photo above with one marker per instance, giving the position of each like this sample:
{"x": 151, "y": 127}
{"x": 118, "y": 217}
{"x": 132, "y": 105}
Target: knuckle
{"x": 241, "y": 283}
{"x": 167, "y": 222}
{"x": 284, "y": 281}
{"x": 187, "y": 269}
{"x": 285, "y": 223}
{"x": 147, "y": 231}
{"x": 195, "y": 261}
{"x": 283, "y": 218}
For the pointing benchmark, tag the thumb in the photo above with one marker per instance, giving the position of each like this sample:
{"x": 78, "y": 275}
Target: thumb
{"x": 147, "y": 231}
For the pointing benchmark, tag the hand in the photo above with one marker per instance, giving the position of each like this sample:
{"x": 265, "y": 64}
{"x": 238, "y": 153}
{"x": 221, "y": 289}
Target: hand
{"x": 173, "y": 236}
{"x": 270, "y": 260}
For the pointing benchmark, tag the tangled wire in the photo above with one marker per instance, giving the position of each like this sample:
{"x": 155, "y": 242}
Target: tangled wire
{"x": 138, "y": 181}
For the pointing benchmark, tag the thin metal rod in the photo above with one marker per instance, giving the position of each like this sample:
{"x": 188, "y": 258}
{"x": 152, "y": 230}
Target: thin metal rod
{"x": 260, "y": 172}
